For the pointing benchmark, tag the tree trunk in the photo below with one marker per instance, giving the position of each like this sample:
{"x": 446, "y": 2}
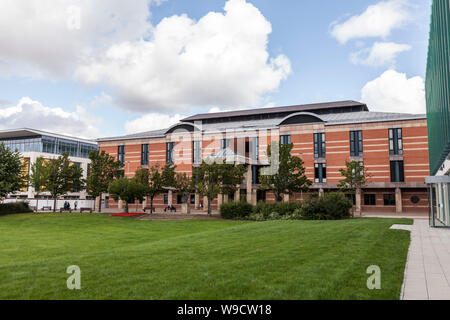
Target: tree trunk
{"x": 37, "y": 205}
{"x": 209, "y": 205}
{"x": 151, "y": 204}
{"x": 54, "y": 204}
{"x": 100, "y": 203}
{"x": 126, "y": 207}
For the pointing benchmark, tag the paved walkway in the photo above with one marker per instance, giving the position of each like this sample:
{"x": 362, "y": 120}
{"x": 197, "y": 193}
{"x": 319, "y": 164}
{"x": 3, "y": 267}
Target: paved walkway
{"x": 427, "y": 272}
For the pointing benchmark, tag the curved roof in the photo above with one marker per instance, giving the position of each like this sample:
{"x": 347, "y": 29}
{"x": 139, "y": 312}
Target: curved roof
{"x": 308, "y": 116}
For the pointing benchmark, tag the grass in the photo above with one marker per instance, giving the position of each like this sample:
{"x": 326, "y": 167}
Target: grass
{"x": 122, "y": 258}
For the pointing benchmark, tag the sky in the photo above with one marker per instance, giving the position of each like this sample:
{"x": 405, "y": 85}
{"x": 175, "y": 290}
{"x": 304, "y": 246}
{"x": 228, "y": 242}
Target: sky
{"x": 111, "y": 67}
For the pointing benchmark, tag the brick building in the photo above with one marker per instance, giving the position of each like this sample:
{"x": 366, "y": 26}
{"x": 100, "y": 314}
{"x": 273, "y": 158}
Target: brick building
{"x": 392, "y": 146}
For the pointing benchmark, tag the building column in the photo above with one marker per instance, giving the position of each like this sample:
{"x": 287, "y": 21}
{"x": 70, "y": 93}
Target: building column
{"x": 286, "y": 197}
{"x": 144, "y": 203}
{"x": 197, "y": 200}
{"x": 205, "y": 204}
{"x": 97, "y": 202}
{"x": 219, "y": 199}
{"x": 170, "y": 198}
{"x": 254, "y": 197}
{"x": 120, "y": 204}
{"x": 249, "y": 183}
{"x": 237, "y": 195}
{"x": 321, "y": 192}
{"x": 225, "y": 198}
{"x": 398, "y": 200}
{"x": 358, "y": 201}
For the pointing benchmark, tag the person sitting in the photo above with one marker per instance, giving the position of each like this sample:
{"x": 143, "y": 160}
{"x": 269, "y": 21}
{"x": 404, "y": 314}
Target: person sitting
{"x": 170, "y": 208}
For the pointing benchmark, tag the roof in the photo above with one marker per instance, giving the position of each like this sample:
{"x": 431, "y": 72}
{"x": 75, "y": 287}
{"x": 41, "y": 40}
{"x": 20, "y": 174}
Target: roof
{"x": 292, "y": 109}
{"x": 141, "y": 135}
{"x": 27, "y": 132}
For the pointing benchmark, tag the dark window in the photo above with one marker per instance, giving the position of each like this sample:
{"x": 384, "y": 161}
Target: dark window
{"x": 255, "y": 174}
{"x": 389, "y": 199}
{"x": 225, "y": 144}
{"x": 286, "y": 139}
{"x": 192, "y": 198}
{"x": 121, "y": 154}
{"x": 351, "y": 197}
{"x": 320, "y": 172}
{"x": 169, "y": 152}
{"x": 197, "y": 152}
{"x": 179, "y": 198}
{"x": 319, "y": 145}
{"x": 415, "y": 199}
{"x": 166, "y": 198}
{"x": 144, "y": 155}
{"x": 370, "y": 200}
{"x": 356, "y": 145}
{"x": 395, "y": 142}
{"x": 397, "y": 171}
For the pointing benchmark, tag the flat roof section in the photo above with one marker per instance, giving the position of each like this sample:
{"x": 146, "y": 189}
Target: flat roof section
{"x": 26, "y": 132}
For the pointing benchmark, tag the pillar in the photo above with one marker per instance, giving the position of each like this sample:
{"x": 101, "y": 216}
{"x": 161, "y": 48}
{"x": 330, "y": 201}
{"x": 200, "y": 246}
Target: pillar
{"x": 237, "y": 195}
{"x": 120, "y": 204}
{"x": 398, "y": 200}
{"x": 226, "y": 198}
{"x": 170, "y": 198}
{"x": 219, "y": 200}
{"x": 205, "y": 204}
{"x": 358, "y": 202}
{"x": 286, "y": 197}
{"x": 321, "y": 192}
{"x": 97, "y": 202}
{"x": 197, "y": 201}
{"x": 144, "y": 203}
{"x": 249, "y": 183}
{"x": 254, "y": 197}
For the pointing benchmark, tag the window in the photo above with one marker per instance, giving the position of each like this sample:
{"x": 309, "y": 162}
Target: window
{"x": 144, "y": 155}
{"x": 225, "y": 144}
{"x": 197, "y": 152}
{"x": 370, "y": 200}
{"x": 254, "y": 148}
{"x": 395, "y": 142}
{"x": 169, "y": 152}
{"x": 319, "y": 145}
{"x": 356, "y": 146}
{"x": 192, "y": 198}
{"x": 255, "y": 175}
{"x": 397, "y": 171}
{"x": 389, "y": 199}
{"x": 166, "y": 198}
{"x": 286, "y": 139}
{"x": 351, "y": 197}
{"x": 121, "y": 154}
{"x": 320, "y": 172}
{"x": 415, "y": 199}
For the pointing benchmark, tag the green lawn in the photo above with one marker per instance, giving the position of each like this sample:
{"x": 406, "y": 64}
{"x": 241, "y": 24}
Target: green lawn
{"x": 122, "y": 258}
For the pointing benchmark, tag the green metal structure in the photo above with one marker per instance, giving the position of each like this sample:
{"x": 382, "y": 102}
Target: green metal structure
{"x": 438, "y": 85}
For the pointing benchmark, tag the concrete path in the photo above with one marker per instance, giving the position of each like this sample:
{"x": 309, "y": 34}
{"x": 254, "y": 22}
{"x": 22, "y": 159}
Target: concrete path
{"x": 427, "y": 272}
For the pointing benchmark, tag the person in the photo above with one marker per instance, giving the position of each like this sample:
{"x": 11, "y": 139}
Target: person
{"x": 76, "y": 204}
{"x": 65, "y": 205}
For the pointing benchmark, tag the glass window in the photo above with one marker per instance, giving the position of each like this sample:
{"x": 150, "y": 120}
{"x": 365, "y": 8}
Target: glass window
{"x": 319, "y": 145}
{"x": 370, "y": 200}
{"x": 285, "y": 139}
{"x": 197, "y": 152}
{"x": 395, "y": 142}
{"x": 320, "y": 173}
{"x": 356, "y": 145}
{"x": 170, "y": 152}
{"x": 144, "y": 154}
{"x": 121, "y": 154}
{"x": 389, "y": 199}
{"x": 254, "y": 146}
{"x": 397, "y": 171}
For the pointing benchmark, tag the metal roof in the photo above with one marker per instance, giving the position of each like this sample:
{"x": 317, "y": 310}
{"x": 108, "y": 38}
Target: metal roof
{"x": 27, "y": 132}
{"x": 141, "y": 135}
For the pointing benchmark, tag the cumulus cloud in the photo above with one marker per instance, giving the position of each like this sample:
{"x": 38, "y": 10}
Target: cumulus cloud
{"x": 381, "y": 54}
{"x": 32, "y": 114}
{"x": 220, "y": 60}
{"x": 48, "y": 38}
{"x": 377, "y": 20}
{"x": 150, "y": 122}
{"x": 395, "y": 92}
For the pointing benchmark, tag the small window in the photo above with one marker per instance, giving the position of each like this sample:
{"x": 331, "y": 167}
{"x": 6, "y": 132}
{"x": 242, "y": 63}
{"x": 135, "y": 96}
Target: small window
{"x": 389, "y": 199}
{"x": 356, "y": 145}
{"x": 319, "y": 145}
{"x": 169, "y": 152}
{"x": 285, "y": 139}
{"x": 370, "y": 200}
{"x": 179, "y": 199}
{"x": 166, "y": 198}
{"x": 395, "y": 142}
{"x": 351, "y": 197}
{"x": 121, "y": 154}
{"x": 320, "y": 172}
{"x": 397, "y": 171}
{"x": 192, "y": 198}
{"x": 144, "y": 154}
{"x": 415, "y": 199}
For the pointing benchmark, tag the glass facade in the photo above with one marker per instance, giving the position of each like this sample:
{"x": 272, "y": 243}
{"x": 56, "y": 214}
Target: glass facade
{"x": 47, "y": 144}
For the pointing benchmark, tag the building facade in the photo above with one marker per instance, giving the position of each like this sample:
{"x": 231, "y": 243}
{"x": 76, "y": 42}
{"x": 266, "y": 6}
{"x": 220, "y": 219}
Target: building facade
{"x": 33, "y": 144}
{"x": 438, "y": 113}
{"x": 393, "y": 147}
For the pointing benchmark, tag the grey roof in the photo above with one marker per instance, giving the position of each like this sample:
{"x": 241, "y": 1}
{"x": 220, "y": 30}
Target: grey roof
{"x": 329, "y": 119}
{"x": 27, "y": 132}
{"x": 296, "y": 108}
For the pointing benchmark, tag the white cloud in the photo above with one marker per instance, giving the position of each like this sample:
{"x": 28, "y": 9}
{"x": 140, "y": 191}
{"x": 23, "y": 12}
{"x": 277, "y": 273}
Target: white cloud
{"x": 377, "y": 20}
{"x": 32, "y": 114}
{"x": 381, "y": 54}
{"x": 219, "y": 60}
{"x": 394, "y": 92}
{"x": 150, "y": 122}
{"x": 47, "y": 38}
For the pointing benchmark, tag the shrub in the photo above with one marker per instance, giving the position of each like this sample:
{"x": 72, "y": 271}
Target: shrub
{"x": 281, "y": 208}
{"x": 14, "y": 207}
{"x": 331, "y": 206}
{"x": 313, "y": 209}
{"x": 235, "y": 210}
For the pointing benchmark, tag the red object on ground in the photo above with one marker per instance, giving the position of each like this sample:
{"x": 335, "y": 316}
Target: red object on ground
{"x": 131, "y": 214}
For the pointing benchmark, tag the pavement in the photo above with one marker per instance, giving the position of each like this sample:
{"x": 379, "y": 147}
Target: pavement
{"x": 427, "y": 272}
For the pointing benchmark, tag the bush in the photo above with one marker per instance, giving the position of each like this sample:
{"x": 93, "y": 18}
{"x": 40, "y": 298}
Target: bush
{"x": 14, "y": 207}
{"x": 236, "y": 210}
{"x": 281, "y": 208}
{"x": 331, "y": 206}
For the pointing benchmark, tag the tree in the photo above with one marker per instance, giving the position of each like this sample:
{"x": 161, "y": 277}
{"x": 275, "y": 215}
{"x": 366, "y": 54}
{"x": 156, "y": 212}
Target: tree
{"x": 103, "y": 170}
{"x": 233, "y": 176}
{"x": 354, "y": 178}
{"x": 212, "y": 177}
{"x": 37, "y": 178}
{"x": 290, "y": 174}
{"x": 184, "y": 184}
{"x": 168, "y": 175}
{"x": 61, "y": 176}
{"x": 12, "y": 172}
{"x": 128, "y": 190}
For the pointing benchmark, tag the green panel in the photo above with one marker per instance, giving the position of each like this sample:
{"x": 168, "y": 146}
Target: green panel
{"x": 437, "y": 84}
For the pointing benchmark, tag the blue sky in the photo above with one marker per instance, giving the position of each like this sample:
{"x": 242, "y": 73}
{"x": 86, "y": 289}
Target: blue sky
{"x": 66, "y": 81}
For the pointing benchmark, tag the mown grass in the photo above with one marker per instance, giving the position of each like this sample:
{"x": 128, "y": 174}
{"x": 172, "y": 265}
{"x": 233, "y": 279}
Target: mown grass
{"x": 122, "y": 258}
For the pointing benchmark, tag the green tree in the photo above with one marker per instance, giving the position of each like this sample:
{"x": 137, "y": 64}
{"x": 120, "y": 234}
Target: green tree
{"x": 103, "y": 170}
{"x": 12, "y": 172}
{"x": 212, "y": 178}
{"x": 37, "y": 178}
{"x": 354, "y": 178}
{"x": 128, "y": 190}
{"x": 286, "y": 174}
{"x": 184, "y": 184}
{"x": 61, "y": 176}
{"x": 168, "y": 175}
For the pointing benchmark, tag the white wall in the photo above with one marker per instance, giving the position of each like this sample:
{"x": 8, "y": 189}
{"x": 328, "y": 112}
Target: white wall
{"x": 59, "y": 203}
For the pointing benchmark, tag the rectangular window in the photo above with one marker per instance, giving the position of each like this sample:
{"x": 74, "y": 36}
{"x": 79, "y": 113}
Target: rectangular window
{"x": 121, "y": 154}
{"x": 169, "y": 152}
{"x": 225, "y": 143}
{"x": 320, "y": 173}
{"x": 389, "y": 199}
{"x": 356, "y": 145}
{"x": 255, "y": 175}
{"x": 397, "y": 171}
{"x": 351, "y": 197}
{"x": 286, "y": 139}
{"x": 319, "y": 145}
{"x": 166, "y": 198}
{"x": 370, "y": 200}
{"x": 144, "y": 155}
{"x": 254, "y": 148}
{"x": 395, "y": 142}
{"x": 197, "y": 152}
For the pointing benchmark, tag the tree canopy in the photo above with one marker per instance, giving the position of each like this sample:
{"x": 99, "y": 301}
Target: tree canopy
{"x": 128, "y": 190}
{"x": 12, "y": 174}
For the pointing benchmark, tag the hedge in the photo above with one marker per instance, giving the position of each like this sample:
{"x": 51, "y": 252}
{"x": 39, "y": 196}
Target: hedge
{"x": 14, "y": 207}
